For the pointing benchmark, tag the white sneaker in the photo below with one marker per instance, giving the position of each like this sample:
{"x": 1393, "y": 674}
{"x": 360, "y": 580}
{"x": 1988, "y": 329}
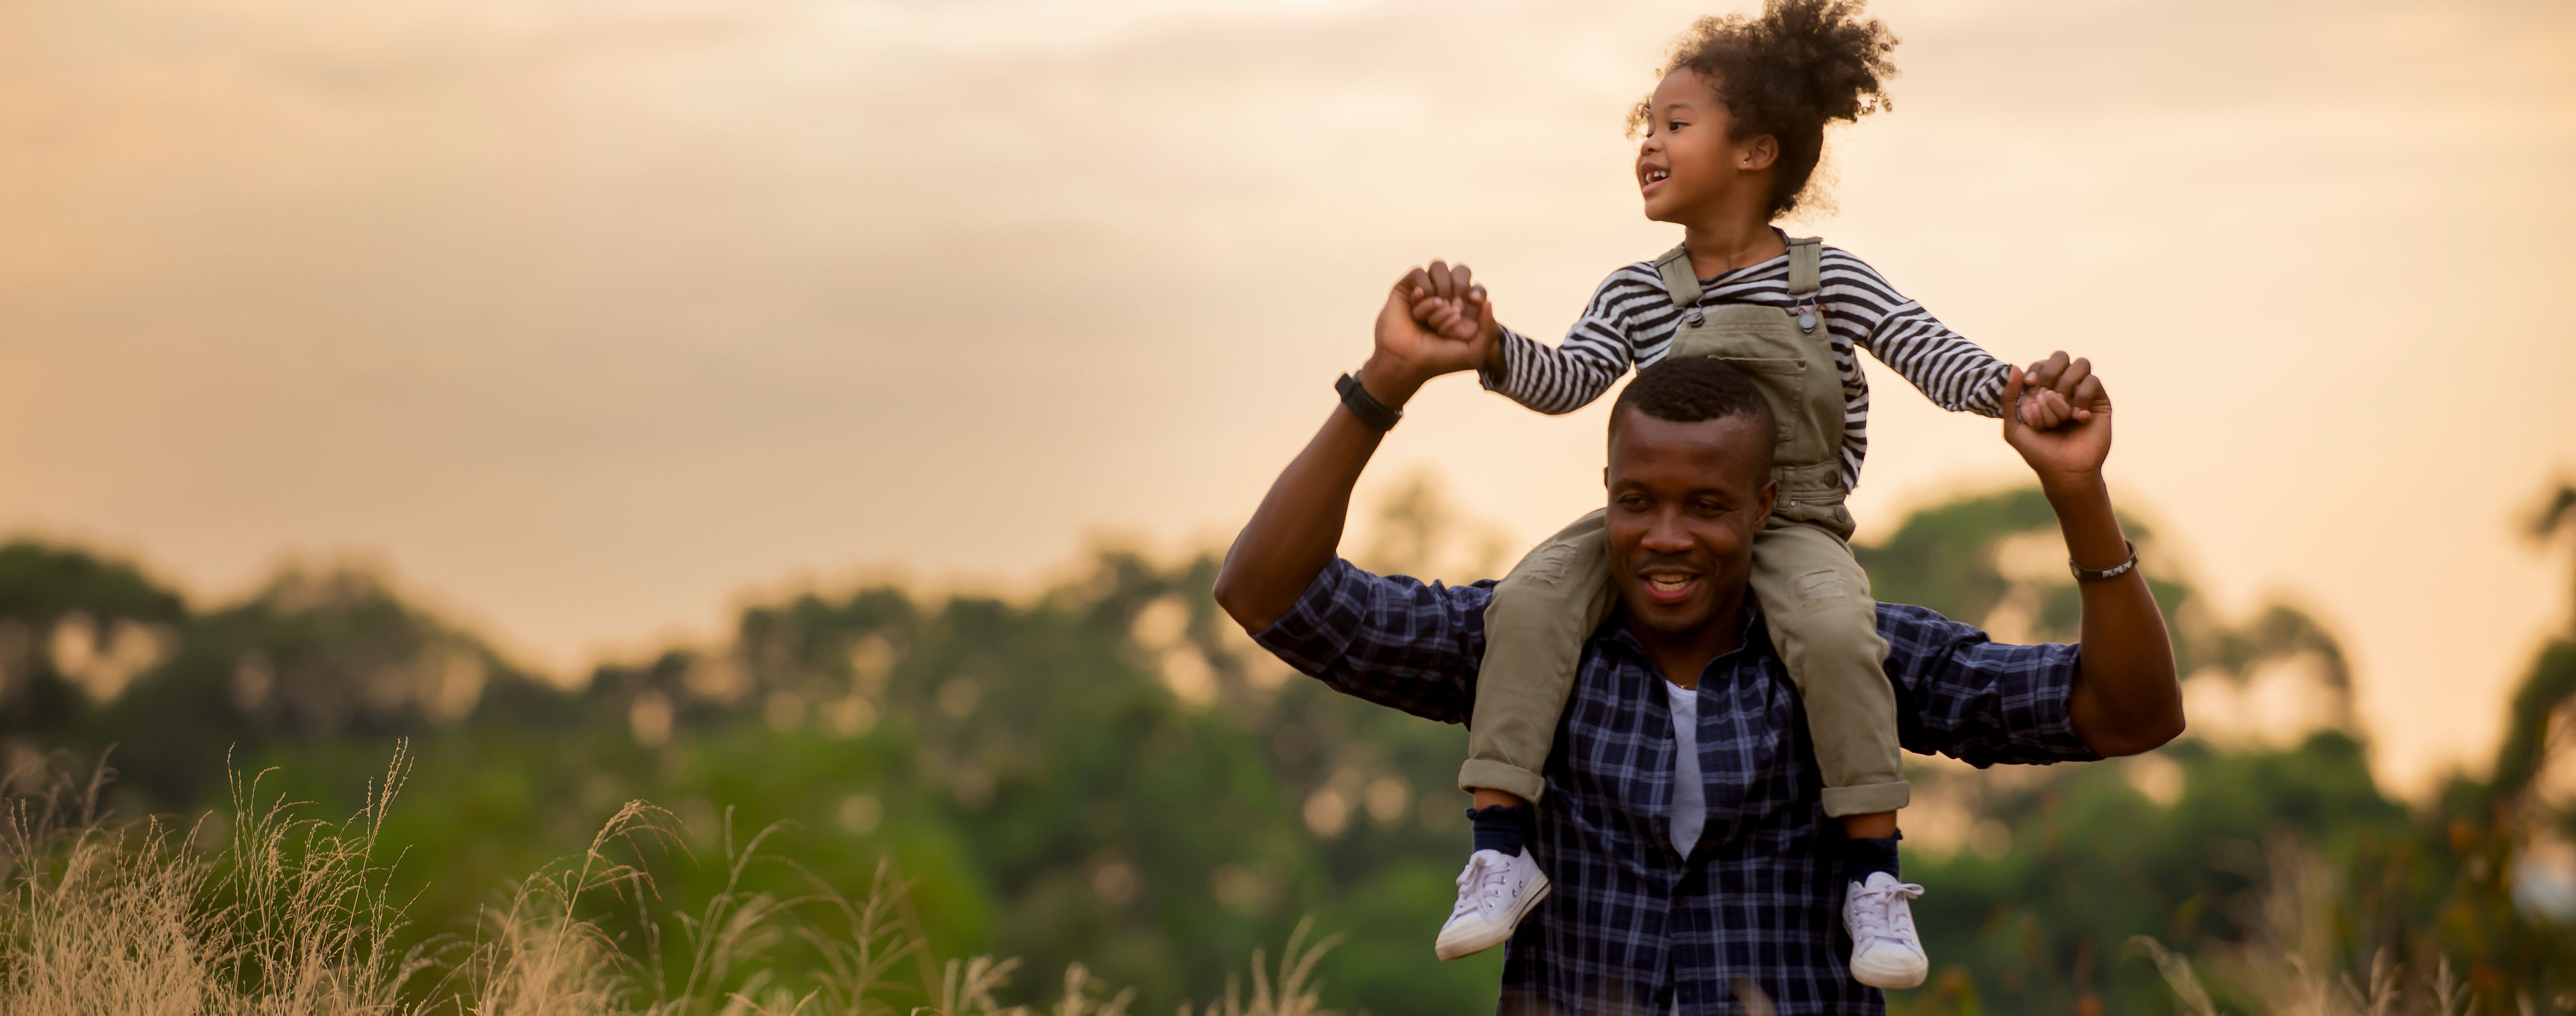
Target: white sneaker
{"x": 1493, "y": 893}
{"x": 1886, "y": 953}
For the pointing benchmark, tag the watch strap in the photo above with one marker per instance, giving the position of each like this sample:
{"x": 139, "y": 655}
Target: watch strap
{"x": 1355, "y": 397}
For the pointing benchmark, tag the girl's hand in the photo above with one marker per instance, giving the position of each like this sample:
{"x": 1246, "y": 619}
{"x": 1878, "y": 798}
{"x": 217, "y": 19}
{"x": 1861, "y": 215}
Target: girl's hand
{"x": 2041, "y": 409}
{"x": 2072, "y": 452}
{"x": 1446, "y": 300}
{"x": 1410, "y": 349}
{"x": 2054, "y": 391}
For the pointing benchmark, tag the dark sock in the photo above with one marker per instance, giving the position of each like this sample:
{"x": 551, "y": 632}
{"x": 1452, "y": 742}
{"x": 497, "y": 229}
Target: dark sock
{"x": 1865, "y": 854}
{"x": 1501, "y": 827}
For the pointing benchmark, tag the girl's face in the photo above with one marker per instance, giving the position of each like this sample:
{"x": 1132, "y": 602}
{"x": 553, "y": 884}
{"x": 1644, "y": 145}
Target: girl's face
{"x": 1686, "y": 166}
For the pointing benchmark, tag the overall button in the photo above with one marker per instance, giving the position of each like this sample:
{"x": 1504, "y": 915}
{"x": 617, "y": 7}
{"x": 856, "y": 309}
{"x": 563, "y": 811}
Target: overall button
{"x": 1693, "y": 317}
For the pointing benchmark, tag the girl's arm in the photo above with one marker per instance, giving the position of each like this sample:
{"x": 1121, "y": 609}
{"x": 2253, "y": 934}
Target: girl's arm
{"x": 1954, "y": 373}
{"x": 1596, "y": 351}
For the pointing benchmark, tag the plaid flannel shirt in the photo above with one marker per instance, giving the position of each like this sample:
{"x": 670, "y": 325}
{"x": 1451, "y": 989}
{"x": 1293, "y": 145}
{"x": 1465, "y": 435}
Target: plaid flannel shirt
{"x": 1630, "y": 927}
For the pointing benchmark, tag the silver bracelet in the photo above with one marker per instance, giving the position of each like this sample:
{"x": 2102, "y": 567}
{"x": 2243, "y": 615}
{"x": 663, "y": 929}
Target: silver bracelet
{"x": 2106, "y": 574}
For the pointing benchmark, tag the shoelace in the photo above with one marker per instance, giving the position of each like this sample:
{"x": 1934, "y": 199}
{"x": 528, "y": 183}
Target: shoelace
{"x": 1492, "y": 882}
{"x": 1875, "y": 910}
{"x": 1467, "y": 877}
{"x": 1498, "y": 886}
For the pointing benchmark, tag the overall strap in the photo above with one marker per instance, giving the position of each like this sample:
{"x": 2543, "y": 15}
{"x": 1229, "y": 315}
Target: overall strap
{"x": 1806, "y": 264}
{"x": 1679, "y": 280}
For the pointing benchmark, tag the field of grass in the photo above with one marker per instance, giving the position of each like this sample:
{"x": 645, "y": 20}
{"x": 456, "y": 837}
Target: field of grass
{"x": 262, "y": 910}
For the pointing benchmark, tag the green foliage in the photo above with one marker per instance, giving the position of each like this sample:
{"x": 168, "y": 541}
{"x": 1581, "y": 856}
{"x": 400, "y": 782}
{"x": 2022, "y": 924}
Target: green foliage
{"x": 56, "y": 607}
{"x": 1108, "y": 772}
{"x": 1943, "y": 557}
{"x": 2093, "y": 862}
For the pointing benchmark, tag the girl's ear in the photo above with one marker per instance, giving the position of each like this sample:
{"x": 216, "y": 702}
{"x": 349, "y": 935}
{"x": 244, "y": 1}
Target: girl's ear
{"x": 1757, "y": 153}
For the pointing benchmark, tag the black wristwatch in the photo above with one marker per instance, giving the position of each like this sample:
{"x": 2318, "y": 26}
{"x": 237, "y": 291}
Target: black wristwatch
{"x": 1357, "y": 399}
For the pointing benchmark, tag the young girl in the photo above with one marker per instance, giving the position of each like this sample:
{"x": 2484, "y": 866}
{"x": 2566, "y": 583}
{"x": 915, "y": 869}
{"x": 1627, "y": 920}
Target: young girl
{"x": 1732, "y": 136}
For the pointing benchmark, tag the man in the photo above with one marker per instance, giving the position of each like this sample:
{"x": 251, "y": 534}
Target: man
{"x": 1647, "y": 917}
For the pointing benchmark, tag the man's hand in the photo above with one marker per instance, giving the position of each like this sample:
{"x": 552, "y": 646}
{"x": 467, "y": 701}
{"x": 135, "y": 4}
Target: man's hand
{"x": 2055, "y": 391}
{"x": 2127, "y": 698}
{"x": 2073, "y": 451}
{"x": 1447, "y": 301}
{"x": 1437, "y": 321}
{"x": 1294, "y": 533}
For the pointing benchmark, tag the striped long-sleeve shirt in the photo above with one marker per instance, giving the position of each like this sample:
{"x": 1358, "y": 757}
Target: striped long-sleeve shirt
{"x": 1632, "y": 318}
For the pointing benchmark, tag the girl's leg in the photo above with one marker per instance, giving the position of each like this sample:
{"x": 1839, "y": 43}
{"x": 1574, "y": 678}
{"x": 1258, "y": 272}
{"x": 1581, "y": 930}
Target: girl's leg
{"x": 1534, "y": 633}
{"x": 1815, "y": 601}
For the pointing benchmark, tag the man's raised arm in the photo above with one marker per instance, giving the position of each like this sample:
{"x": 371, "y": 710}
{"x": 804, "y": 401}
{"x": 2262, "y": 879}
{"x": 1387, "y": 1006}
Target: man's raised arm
{"x": 2127, "y": 698}
{"x": 1294, "y": 533}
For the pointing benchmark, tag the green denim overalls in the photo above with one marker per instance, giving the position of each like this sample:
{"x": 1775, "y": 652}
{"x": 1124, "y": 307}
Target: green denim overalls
{"x": 1814, "y": 597}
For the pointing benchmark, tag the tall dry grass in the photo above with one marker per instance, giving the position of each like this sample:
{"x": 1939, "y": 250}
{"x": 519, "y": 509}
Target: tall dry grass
{"x": 291, "y": 916}
{"x": 2289, "y": 968}
{"x": 263, "y": 913}
{"x": 259, "y": 912}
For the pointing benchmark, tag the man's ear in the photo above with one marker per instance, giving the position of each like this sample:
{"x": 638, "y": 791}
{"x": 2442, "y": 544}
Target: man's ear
{"x": 1770, "y": 493}
{"x": 1758, "y": 152}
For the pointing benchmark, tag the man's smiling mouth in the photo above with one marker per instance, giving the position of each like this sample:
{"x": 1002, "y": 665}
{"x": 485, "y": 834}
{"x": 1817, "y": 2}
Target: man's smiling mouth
{"x": 1670, "y": 587}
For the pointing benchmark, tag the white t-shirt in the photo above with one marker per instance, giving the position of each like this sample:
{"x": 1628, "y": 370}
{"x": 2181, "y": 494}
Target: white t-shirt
{"x": 1690, "y": 792}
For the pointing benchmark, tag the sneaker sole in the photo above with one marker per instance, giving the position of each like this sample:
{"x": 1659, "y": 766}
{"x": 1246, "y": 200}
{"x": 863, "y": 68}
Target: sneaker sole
{"x": 1531, "y": 894}
{"x": 1909, "y": 976}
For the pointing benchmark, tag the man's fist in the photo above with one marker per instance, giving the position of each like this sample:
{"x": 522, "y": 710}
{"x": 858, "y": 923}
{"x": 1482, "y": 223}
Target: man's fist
{"x": 2056, "y": 391}
{"x": 1446, "y": 300}
{"x": 2077, "y": 447}
{"x": 1436, "y": 321}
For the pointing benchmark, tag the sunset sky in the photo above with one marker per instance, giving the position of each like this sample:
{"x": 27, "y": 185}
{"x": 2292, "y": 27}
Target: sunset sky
{"x": 587, "y": 318}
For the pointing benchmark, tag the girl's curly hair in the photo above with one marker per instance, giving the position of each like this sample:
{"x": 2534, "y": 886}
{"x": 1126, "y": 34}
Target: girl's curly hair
{"x": 1787, "y": 73}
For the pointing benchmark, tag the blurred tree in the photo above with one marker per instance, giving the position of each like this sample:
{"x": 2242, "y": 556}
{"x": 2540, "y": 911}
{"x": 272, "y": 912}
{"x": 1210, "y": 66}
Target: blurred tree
{"x": 311, "y": 656}
{"x": 2498, "y": 915}
{"x": 75, "y": 629}
{"x": 1957, "y": 558}
{"x": 2065, "y": 864}
{"x": 1108, "y": 770}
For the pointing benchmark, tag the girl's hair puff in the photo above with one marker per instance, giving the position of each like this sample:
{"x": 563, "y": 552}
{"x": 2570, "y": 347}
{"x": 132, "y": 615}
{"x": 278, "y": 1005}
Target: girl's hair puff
{"x": 1798, "y": 66}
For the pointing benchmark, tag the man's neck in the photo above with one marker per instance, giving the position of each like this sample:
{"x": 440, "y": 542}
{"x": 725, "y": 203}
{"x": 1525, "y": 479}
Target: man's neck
{"x": 1683, "y": 655}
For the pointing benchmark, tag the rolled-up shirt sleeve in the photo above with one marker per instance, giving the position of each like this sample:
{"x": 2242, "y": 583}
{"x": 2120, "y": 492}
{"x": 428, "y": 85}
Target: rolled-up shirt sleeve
{"x": 1982, "y": 702}
{"x": 1389, "y": 639}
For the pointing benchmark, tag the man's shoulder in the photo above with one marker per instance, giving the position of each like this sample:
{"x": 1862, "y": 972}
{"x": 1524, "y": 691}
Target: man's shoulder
{"x": 1922, "y": 631}
{"x": 1344, "y": 596}
{"x": 1908, "y": 618}
{"x": 1928, "y": 651}
{"x": 1390, "y": 639}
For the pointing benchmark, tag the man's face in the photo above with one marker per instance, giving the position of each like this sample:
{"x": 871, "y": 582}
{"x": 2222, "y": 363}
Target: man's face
{"x": 1685, "y": 502}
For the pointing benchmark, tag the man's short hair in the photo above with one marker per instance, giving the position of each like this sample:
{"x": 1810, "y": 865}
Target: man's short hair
{"x": 1691, "y": 389}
